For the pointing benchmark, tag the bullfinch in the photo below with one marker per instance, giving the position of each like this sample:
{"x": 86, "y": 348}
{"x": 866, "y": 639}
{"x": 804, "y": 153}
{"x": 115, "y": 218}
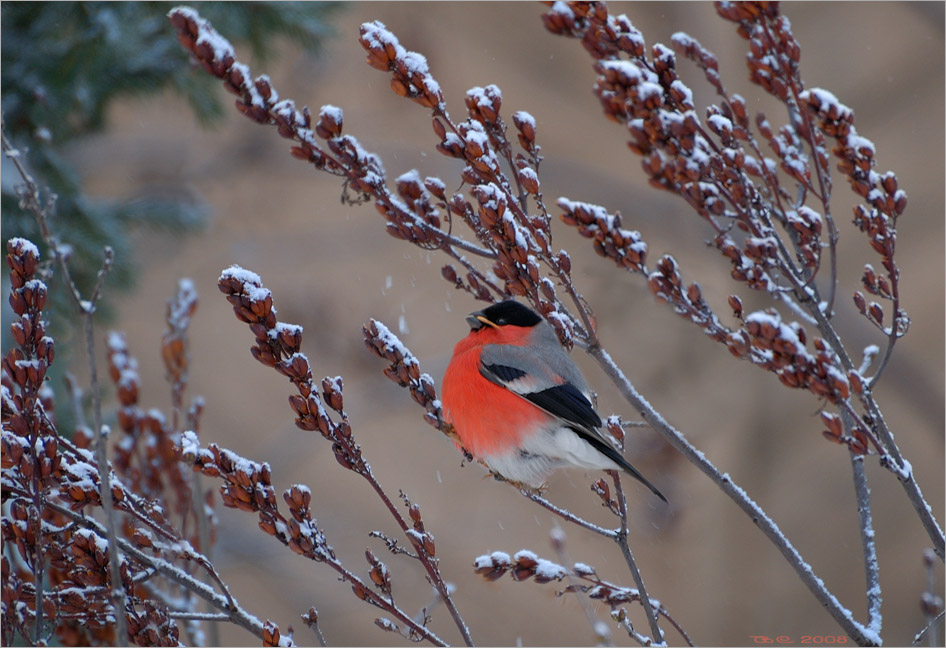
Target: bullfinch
{"x": 519, "y": 404}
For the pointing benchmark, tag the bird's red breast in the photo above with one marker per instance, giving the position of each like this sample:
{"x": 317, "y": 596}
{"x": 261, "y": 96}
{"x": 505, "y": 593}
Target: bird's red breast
{"x": 487, "y": 418}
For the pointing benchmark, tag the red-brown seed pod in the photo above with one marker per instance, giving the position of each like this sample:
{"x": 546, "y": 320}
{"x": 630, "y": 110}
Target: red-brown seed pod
{"x": 525, "y": 123}
{"x": 694, "y": 294}
{"x": 860, "y": 302}
{"x": 359, "y": 591}
{"x": 264, "y": 356}
{"x": 854, "y": 379}
{"x": 332, "y": 393}
{"x": 330, "y": 122}
{"x": 830, "y": 437}
{"x": 299, "y": 405}
{"x": 376, "y": 56}
{"x": 399, "y": 87}
{"x": 833, "y": 421}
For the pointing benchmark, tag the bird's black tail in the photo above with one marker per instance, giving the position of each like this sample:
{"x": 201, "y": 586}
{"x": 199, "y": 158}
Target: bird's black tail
{"x": 612, "y": 453}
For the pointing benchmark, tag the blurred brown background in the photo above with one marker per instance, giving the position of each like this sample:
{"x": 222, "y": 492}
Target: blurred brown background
{"x": 331, "y": 267}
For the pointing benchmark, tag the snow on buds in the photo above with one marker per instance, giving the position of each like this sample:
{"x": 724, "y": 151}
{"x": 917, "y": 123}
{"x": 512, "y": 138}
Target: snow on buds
{"x": 278, "y": 345}
{"x": 404, "y": 369}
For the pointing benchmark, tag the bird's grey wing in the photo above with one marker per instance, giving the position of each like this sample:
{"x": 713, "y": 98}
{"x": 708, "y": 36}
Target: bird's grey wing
{"x": 517, "y": 369}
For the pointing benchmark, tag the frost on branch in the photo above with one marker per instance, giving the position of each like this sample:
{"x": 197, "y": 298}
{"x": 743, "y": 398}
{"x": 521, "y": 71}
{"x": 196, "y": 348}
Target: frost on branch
{"x": 761, "y": 189}
{"x": 278, "y": 345}
{"x": 769, "y": 213}
{"x": 63, "y": 557}
{"x": 514, "y": 239}
{"x": 522, "y": 566}
{"x": 410, "y": 76}
{"x": 405, "y": 371}
{"x": 583, "y": 579}
{"x": 248, "y": 485}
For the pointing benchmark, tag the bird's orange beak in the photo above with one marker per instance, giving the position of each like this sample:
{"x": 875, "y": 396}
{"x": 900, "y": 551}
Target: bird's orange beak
{"x": 478, "y": 320}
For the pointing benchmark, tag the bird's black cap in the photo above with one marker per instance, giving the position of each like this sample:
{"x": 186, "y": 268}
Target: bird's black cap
{"x": 509, "y": 312}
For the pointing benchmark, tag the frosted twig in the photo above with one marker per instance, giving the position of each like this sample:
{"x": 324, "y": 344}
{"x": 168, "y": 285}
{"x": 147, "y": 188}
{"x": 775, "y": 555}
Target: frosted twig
{"x": 841, "y": 615}
{"x": 311, "y": 619}
{"x": 929, "y": 631}
{"x": 525, "y": 565}
{"x": 278, "y": 345}
{"x": 100, "y": 443}
{"x": 174, "y": 352}
{"x": 632, "y": 632}
{"x": 227, "y": 605}
{"x": 931, "y": 603}
{"x": 871, "y": 566}
{"x": 568, "y": 515}
{"x": 76, "y": 392}
{"x": 557, "y": 540}
{"x": 621, "y": 538}
{"x": 885, "y": 436}
{"x": 200, "y": 616}
{"x": 824, "y": 180}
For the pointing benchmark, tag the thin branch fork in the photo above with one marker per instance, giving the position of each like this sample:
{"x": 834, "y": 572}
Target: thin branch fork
{"x": 227, "y": 606}
{"x": 621, "y": 538}
{"x": 844, "y": 618}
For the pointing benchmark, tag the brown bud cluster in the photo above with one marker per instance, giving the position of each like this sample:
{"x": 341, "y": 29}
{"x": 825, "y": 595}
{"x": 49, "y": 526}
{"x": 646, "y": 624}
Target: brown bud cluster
{"x": 483, "y": 104}
{"x": 764, "y": 338}
{"x": 247, "y": 484}
{"x": 146, "y": 456}
{"x": 272, "y": 636}
{"x": 602, "y": 489}
{"x": 713, "y": 163}
{"x": 657, "y": 108}
{"x": 517, "y": 250}
{"x": 694, "y": 50}
{"x": 415, "y": 193}
{"x": 31, "y": 451}
{"x": 525, "y": 123}
{"x": 180, "y": 309}
{"x": 259, "y": 101}
{"x": 522, "y": 566}
{"x": 602, "y": 35}
{"x": 410, "y": 76}
{"x": 199, "y": 37}
{"x": 25, "y": 364}
{"x": 666, "y": 284}
{"x": 305, "y": 538}
{"x": 90, "y": 555}
{"x": 75, "y": 558}
{"x": 378, "y": 573}
{"x": 624, "y": 247}
{"x": 278, "y": 346}
{"x": 857, "y": 441}
{"x": 421, "y": 539}
{"x": 780, "y": 348}
{"x": 834, "y": 118}
{"x": 773, "y": 51}
{"x": 151, "y": 625}
{"x": 883, "y": 203}
{"x": 603, "y": 591}
{"x": 806, "y": 225}
{"x": 404, "y": 369}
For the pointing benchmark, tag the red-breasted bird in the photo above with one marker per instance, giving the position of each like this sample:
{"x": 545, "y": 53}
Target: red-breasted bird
{"x": 519, "y": 404}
